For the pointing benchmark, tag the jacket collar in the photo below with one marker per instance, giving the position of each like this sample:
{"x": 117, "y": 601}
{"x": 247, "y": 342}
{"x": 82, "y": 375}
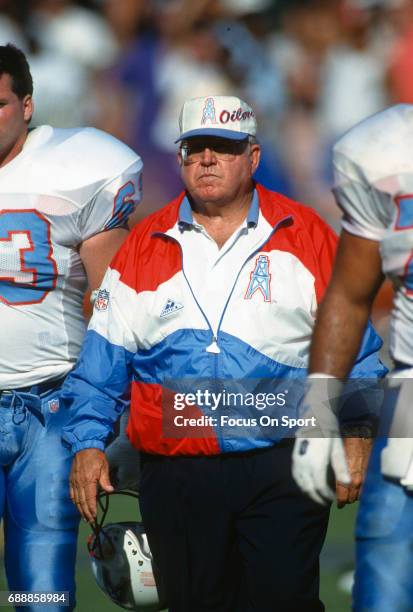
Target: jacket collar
{"x": 272, "y": 205}
{"x": 185, "y": 216}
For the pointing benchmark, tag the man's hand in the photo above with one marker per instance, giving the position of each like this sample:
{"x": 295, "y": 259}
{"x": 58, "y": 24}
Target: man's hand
{"x": 90, "y": 469}
{"x": 312, "y": 458}
{"x": 319, "y": 448}
{"x": 357, "y": 452}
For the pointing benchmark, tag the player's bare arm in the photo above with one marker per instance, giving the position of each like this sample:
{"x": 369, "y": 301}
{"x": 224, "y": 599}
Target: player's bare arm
{"x": 347, "y": 305}
{"x": 97, "y": 252}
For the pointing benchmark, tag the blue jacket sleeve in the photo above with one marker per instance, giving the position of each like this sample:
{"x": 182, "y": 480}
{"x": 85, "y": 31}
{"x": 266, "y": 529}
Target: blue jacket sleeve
{"x": 96, "y": 392}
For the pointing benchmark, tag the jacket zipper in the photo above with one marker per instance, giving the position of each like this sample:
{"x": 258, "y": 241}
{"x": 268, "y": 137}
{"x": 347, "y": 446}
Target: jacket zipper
{"x": 213, "y": 348}
{"x": 242, "y": 266}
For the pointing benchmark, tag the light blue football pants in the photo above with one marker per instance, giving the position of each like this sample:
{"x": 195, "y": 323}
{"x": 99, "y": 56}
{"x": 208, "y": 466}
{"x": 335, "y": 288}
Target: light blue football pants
{"x": 40, "y": 521}
{"x": 384, "y": 547}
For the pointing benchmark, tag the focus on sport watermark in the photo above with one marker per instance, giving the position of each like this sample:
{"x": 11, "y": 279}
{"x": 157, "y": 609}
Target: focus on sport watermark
{"x": 256, "y": 409}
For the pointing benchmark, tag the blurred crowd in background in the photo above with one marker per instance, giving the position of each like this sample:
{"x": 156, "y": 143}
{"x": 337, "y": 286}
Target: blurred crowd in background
{"x": 310, "y": 69}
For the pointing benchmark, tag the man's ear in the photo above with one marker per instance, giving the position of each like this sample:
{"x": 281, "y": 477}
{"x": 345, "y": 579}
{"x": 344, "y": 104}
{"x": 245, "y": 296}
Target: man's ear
{"x": 28, "y": 108}
{"x": 255, "y": 156}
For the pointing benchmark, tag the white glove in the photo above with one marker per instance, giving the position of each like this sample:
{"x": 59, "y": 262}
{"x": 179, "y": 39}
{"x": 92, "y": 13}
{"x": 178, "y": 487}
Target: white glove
{"x": 317, "y": 448}
{"x": 397, "y": 456}
{"x": 311, "y": 460}
{"x": 397, "y": 461}
{"x": 407, "y": 480}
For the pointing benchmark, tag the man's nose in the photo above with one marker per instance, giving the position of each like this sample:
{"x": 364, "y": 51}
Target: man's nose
{"x": 208, "y": 157}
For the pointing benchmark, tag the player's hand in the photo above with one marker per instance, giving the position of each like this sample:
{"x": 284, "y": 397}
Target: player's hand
{"x": 312, "y": 458}
{"x": 357, "y": 455}
{"x": 319, "y": 459}
{"x": 90, "y": 469}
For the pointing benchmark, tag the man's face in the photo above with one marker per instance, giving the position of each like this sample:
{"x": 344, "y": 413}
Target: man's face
{"x": 14, "y": 117}
{"x": 217, "y": 169}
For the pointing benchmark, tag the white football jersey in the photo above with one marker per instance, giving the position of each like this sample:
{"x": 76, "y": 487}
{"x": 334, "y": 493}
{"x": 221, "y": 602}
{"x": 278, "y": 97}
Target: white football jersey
{"x": 64, "y": 187}
{"x": 373, "y": 167}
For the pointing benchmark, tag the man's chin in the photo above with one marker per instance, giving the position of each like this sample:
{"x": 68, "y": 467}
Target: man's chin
{"x": 209, "y": 192}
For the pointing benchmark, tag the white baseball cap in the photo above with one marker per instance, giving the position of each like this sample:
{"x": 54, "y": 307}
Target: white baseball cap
{"x": 223, "y": 116}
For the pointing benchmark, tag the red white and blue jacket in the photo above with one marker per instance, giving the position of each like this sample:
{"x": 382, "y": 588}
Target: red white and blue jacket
{"x": 150, "y": 333}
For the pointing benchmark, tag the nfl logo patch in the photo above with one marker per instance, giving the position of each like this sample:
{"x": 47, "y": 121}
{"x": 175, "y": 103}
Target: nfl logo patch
{"x": 53, "y": 405}
{"x": 102, "y": 300}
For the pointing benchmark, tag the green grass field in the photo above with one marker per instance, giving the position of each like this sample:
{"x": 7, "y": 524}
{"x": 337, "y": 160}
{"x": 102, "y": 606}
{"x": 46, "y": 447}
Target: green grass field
{"x": 337, "y": 559}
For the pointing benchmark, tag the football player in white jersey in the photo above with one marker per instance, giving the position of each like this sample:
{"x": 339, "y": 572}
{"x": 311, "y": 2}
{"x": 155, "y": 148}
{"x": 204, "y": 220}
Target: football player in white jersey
{"x": 66, "y": 195}
{"x": 373, "y": 166}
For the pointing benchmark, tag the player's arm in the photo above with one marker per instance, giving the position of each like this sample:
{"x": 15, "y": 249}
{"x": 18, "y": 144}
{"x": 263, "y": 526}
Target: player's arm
{"x": 340, "y": 326}
{"x": 343, "y": 314}
{"x": 97, "y": 252}
{"x": 104, "y": 220}
{"x": 340, "y": 338}
{"x": 338, "y": 333}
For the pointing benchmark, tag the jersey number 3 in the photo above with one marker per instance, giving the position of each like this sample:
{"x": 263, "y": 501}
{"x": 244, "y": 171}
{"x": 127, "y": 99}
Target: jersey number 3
{"x": 27, "y": 268}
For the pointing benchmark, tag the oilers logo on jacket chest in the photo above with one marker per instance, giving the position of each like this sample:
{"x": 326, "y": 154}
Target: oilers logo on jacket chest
{"x": 260, "y": 279}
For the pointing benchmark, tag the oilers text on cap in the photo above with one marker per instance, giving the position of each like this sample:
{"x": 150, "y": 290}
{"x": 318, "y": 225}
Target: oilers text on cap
{"x": 223, "y": 116}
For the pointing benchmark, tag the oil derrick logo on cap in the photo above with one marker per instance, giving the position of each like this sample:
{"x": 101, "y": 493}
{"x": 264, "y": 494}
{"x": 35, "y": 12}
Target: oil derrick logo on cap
{"x": 208, "y": 113}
